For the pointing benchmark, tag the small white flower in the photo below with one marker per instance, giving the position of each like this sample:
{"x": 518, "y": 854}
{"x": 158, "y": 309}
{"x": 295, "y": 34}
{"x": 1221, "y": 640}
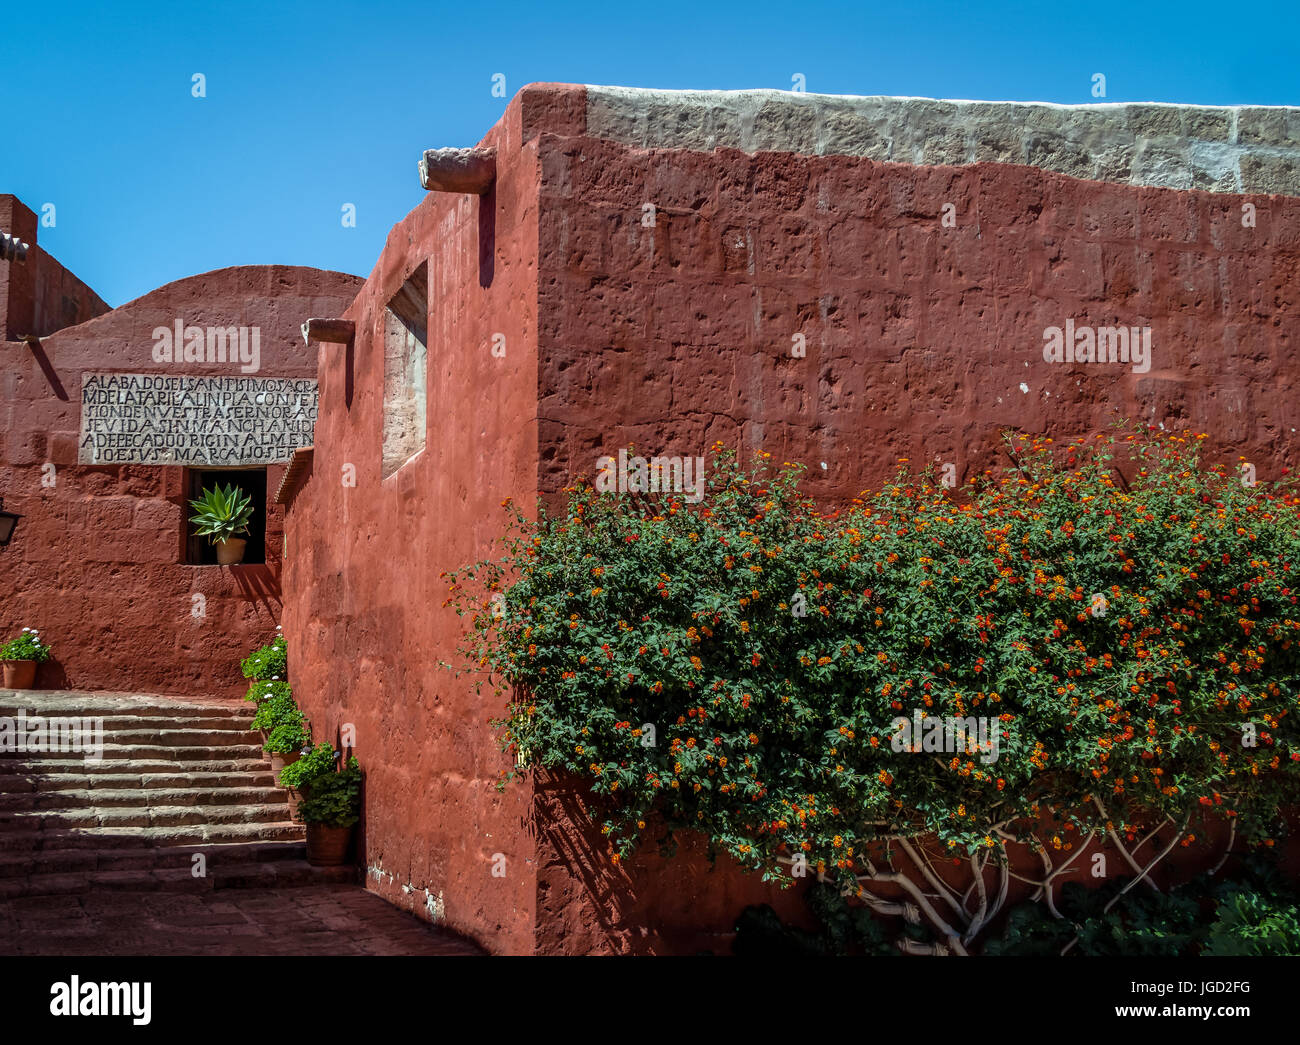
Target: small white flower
{"x": 275, "y": 678}
{"x": 27, "y": 629}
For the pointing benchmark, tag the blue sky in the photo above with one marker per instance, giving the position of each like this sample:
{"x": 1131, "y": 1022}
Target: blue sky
{"x": 313, "y": 105}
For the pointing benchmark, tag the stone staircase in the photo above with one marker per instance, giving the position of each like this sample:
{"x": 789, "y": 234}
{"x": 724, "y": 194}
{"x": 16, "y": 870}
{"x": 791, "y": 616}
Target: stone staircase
{"x": 179, "y": 777}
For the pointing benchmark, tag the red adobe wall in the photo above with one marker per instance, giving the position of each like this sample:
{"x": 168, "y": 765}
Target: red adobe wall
{"x": 920, "y": 339}
{"x": 39, "y": 296}
{"x": 96, "y": 561}
{"x": 671, "y": 336}
{"x": 363, "y": 610}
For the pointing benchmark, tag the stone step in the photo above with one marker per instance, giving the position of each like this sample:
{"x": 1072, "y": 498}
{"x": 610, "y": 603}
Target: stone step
{"x": 16, "y": 784}
{"x": 38, "y": 767}
{"x": 29, "y": 838}
{"x": 289, "y": 873}
{"x": 179, "y": 737}
{"x": 68, "y": 861}
{"x": 71, "y": 702}
{"x": 151, "y": 719}
{"x": 277, "y": 875}
{"x": 177, "y": 778}
{"x": 138, "y": 797}
{"x": 201, "y": 720}
{"x": 148, "y": 816}
{"x": 159, "y": 752}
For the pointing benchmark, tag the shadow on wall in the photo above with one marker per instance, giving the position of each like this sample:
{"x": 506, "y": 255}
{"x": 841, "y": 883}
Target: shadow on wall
{"x": 51, "y": 675}
{"x": 565, "y": 826}
{"x": 487, "y": 236}
{"x": 257, "y": 584}
{"x": 47, "y": 368}
{"x": 349, "y": 368}
{"x": 661, "y": 901}
{"x": 359, "y": 847}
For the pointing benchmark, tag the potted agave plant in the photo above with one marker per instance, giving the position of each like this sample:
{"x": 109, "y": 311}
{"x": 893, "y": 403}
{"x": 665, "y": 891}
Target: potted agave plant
{"x": 220, "y": 515}
{"x": 20, "y": 656}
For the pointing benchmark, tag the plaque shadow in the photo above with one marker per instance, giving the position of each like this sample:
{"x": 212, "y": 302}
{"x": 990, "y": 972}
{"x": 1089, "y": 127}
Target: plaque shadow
{"x": 47, "y": 368}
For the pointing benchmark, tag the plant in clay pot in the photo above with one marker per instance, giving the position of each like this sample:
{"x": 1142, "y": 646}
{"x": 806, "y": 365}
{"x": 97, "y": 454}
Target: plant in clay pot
{"x": 21, "y": 655}
{"x": 311, "y": 763}
{"x": 331, "y": 809}
{"x": 221, "y": 515}
{"x": 281, "y": 722}
{"x": 266, "y": 663}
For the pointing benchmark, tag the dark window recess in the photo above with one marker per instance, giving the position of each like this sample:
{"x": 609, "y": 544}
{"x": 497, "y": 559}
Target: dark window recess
{"x": 199, "y": 551}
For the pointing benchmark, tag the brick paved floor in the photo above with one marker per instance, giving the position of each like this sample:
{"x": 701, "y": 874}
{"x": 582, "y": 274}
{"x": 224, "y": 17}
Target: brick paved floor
{"x": 309, "y": 920}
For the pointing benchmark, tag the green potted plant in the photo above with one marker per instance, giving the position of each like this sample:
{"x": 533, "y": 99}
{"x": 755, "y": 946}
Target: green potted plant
{"x": 266, "y": 663}
{"x": 281, "y": 723}
{"x": 286, "y": 736}
{"x": 330, "y": 809}
{"x": 313, "y": 762}
{"x": 20, "y": 656}
{"x": 219, "y": 516}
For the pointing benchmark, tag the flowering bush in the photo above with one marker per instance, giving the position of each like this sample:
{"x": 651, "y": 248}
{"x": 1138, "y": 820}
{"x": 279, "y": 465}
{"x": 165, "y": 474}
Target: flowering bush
{"x": 743, "y": 666}
{"x": 27, "y": 646}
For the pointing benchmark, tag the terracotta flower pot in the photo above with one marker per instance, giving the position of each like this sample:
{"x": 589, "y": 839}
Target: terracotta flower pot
{"x": 20, "y": 674}
{"x": 328, "y": 846}
{"x": 279, "y": 761}
{"x": 295, "y": 800}
{"x": 230, "y": 551}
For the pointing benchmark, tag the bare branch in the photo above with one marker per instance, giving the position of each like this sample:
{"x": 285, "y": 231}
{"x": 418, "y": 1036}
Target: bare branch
{"x": 909, "y": 946}
{"x": 922, "y": 864}
{"x": 936, "y": 920}
{"x": 1154, "y": 860}
{"x": 1232, "y": 838}
{"x": 1114, "y": 838}
{"x": 1142, "y": 876}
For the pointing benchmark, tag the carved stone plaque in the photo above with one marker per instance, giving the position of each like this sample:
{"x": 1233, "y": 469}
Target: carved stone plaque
{"x": 176, "y": 420}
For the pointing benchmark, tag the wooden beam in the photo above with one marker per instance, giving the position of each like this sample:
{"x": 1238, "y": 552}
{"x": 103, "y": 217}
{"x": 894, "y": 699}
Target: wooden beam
{"x": 292, "y": 479}
{"x": 458, "y": 170}
{"x": 335, "y": 331}
{"x": 12, "y": 249}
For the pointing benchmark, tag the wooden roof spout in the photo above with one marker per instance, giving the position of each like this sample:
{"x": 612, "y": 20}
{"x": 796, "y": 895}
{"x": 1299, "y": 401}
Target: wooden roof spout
{"x": 12, "y": 249}
{"x": 335, "y": 331}
{"x": 459, "y": 170}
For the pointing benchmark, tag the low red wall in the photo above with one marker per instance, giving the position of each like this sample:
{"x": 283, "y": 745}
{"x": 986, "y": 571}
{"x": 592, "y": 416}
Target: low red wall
{"x": 96, "y": 563}
{"x": 38, "y": 296}
{"x": 921, "y": 341}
